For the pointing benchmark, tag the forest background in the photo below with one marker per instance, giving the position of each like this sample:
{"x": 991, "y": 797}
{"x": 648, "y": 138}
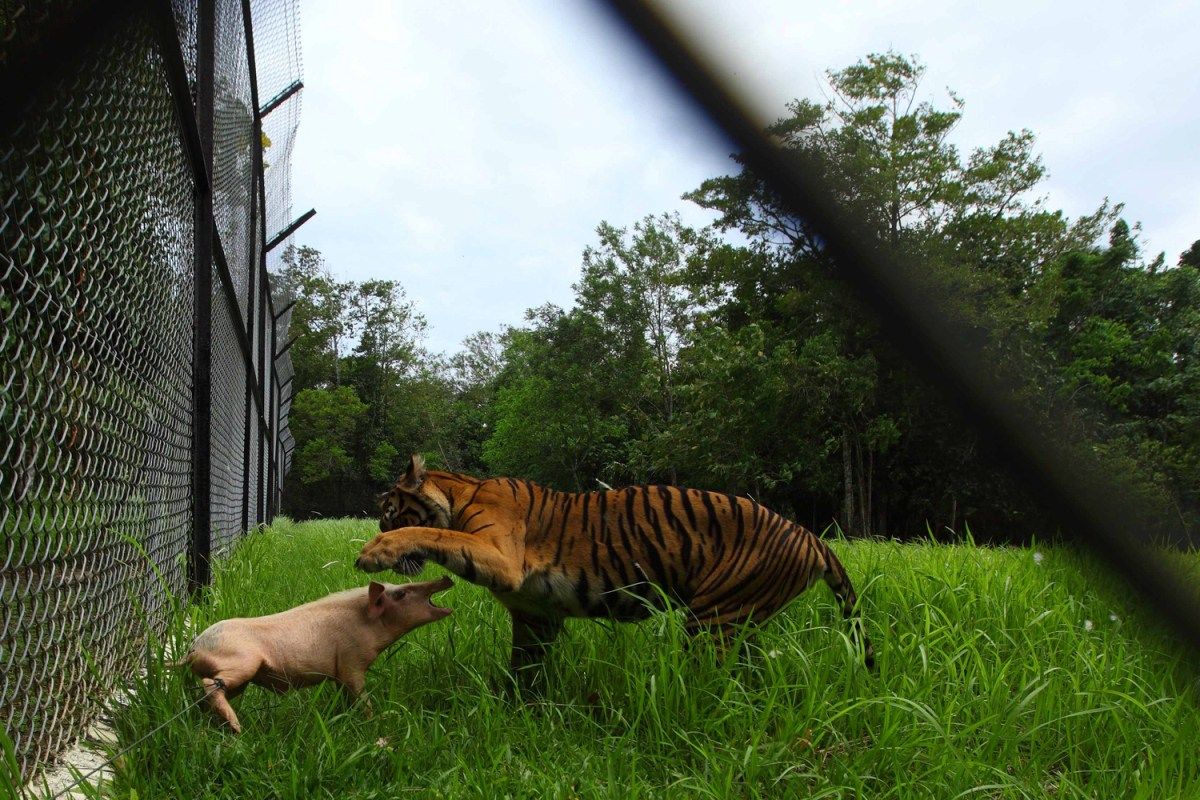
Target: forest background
{"x": 733, "y": 358}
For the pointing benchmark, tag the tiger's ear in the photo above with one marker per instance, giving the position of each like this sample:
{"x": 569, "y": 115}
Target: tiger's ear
{"x": 415, "y": 475}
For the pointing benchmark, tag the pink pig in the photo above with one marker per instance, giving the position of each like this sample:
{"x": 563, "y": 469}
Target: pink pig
{"x": 335, "y": 638}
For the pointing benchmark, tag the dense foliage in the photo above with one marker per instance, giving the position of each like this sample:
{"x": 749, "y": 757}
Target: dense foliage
{"x": 733, "y": 358}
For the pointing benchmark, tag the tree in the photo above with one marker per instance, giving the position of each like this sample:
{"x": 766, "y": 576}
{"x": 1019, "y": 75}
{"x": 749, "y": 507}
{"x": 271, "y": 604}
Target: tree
{"x": 634, "y": 287}
{"x": 970, "y": 223}
{"x": 366, "y": 392}
{"x": 325, "y": 424}
{"x": 1125, "y": 337}
{"x": 319, "y": 319}
{"x": 472, "y": 375}
{"x": 746, "y": 366}
{"x": 388, "y": 331}
{"x": 559, "y": 403}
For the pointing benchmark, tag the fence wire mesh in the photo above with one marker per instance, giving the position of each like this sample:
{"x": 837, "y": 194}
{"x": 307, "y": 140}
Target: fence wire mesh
{"x": 279, "y": 67}
{"x": 233, "y": 141}
{"x": 186, "y": 22}
{"x": 228, "y": 425}
{"x": 99, "y": 325}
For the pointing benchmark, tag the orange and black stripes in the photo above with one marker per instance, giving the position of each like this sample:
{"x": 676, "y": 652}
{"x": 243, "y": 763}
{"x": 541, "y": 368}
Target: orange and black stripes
{"x": 617, "y": 553}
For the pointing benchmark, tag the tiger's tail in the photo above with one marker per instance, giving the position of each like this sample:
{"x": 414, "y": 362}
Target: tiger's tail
{"x": 839, "y": 582}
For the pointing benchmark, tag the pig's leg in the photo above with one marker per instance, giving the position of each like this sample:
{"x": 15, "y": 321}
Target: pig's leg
{"x": 531, "y": 636}
{"x": 233, "y": 681}
{"x": 352, "y": 687}
{"x": 488, "y": 561}
{"x": 352, "y": 684}
{"x": 219, "y": 703}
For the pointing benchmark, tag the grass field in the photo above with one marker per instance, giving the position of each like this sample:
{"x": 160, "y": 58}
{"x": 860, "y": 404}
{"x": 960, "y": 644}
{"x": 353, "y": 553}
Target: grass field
{"x": 1001, "y": 675}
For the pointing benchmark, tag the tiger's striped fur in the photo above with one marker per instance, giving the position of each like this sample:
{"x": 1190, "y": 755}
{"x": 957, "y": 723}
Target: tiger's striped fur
{"x": 549, "y": 555}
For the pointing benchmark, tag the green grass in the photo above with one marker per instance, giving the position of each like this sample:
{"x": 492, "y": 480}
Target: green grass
{"x": 989, "y": 686}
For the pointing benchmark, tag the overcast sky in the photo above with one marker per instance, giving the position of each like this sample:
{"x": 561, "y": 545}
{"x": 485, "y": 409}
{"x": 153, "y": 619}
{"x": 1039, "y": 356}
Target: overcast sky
{"x": 469, "y": 149}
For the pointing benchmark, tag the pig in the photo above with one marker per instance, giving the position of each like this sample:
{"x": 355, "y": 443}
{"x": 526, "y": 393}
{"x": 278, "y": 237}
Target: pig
{"x": 335, "y": 638}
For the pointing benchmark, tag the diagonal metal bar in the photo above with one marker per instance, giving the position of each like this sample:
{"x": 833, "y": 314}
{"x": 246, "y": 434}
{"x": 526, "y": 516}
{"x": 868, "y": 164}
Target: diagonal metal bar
{"x": 287, "y": 346}
{"x": 1065, "y": 475}
{"x": 164, "y": 23}
{"x": 281, "y": 98}
{"x": 278, "y": 238}
{"x": 291, "y": 304}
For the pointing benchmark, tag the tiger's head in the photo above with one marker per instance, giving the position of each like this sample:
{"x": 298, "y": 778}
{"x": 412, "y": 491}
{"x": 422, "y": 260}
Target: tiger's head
{"x": 413, "y": 501}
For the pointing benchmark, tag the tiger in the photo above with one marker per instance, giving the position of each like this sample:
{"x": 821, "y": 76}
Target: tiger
{"x": 621, "y": 553}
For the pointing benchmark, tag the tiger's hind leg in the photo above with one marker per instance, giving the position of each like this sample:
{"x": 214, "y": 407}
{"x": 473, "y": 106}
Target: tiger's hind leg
{"x": 726, "y": 633}
{"x": 532, "y": 635}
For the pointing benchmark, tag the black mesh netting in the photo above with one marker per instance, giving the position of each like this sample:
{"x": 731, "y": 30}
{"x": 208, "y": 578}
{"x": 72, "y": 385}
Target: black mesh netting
{"x": 277, "y": 51}
{"x": 233, "y": 143}
{"x": 228, "y": 426}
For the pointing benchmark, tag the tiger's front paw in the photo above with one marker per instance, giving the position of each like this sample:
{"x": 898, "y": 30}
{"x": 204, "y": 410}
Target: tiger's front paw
{"x": 376, "y": 555}
{"x": 385, "y": 552}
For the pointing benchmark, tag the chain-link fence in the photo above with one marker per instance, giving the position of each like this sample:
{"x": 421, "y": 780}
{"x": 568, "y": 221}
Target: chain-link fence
{"x": 143, "y": 392}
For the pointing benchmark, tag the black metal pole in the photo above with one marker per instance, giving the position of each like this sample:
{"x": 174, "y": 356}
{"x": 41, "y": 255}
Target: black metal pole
{"x": 273, "y": 406}
{"x": 281, "y": 98}
{"x": 278, "y": 238}
{"x": 265, "y": 367}
{"x": 249, "y": 418}
{"x": 273, "y": 442}
{"x": 199, "y": 567}
{"x": 265, "y": 361}
{"x": 254, "y": 385}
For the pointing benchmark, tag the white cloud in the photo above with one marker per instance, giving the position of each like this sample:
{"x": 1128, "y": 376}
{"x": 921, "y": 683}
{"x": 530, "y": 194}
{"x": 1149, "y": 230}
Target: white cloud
{"x": 470, "y": 149}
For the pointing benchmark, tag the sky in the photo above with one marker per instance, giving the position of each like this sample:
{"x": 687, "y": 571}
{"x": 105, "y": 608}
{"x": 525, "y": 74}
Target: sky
{"x": 468, "y": 150}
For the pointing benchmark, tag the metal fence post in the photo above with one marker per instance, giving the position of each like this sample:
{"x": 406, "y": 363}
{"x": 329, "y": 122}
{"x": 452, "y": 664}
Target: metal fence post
{"x": 249, "y": 416}
{"x": 254, "y": 290}
{"x": 273, "y": 429}
{"x": 259, "y": 289}
{"x": 199, "y": 569}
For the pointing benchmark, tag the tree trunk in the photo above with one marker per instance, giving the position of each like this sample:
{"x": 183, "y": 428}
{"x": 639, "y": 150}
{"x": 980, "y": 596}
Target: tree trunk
{"x": 864, "y": 518}
{"x": 847, "y": 486}
{"x": 868, "y": 513}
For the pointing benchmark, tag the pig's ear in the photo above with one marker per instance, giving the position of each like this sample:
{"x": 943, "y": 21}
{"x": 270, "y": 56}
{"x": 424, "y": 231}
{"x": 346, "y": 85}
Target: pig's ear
{"x": 415, "y": 475}
{"x": 374, "y": 599}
